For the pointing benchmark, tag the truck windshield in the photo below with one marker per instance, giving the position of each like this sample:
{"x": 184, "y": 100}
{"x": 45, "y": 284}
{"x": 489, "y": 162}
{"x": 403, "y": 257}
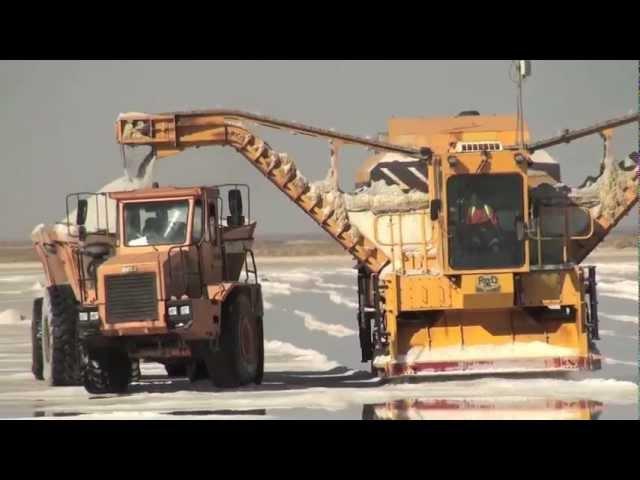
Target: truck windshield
{"x": 156, "y": 223}
{"x": 483, "y": 218}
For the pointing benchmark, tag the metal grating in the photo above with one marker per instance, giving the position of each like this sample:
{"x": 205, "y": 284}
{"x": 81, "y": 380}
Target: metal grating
{"x": 492, "y": 146}
{"x": 131, "y": 298}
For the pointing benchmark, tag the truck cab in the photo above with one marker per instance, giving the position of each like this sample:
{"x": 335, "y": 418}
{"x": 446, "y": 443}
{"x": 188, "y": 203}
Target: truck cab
{"x": 164, "y": 291}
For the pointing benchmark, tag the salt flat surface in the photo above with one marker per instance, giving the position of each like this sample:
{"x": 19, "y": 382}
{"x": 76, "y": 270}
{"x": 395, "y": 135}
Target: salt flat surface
{"x": 313, "y": 367}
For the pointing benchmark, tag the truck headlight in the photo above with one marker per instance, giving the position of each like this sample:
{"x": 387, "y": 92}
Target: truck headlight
{"x": 93, "y": 315}
{"x": 83, "y": 316}
{"x": 179, "y": 315}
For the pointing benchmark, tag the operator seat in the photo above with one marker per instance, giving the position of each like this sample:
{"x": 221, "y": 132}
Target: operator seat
{"x": 151, "y": 227}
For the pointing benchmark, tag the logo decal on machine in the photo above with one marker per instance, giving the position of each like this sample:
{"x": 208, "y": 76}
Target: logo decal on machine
{"x": 487, "y": 283}
{"x": 129, "y": 269}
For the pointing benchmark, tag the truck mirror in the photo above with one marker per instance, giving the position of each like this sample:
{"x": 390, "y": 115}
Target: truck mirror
{"x": 81, "y": 212}
{"x": 235, "y": 209}
{"x": 435, "y": 206}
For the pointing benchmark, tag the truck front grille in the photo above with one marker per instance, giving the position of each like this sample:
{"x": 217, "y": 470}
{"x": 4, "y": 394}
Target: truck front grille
{"x": 131, "y": 297}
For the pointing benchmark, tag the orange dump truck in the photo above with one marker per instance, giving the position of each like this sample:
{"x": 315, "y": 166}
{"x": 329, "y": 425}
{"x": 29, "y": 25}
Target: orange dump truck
{"x": 174, "y": 283}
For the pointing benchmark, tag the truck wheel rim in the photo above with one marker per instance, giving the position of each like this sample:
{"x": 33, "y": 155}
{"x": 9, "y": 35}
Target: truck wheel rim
{"x": 248, "y": 340}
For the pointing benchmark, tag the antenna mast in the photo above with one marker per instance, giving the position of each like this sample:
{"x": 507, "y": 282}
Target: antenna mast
{"x": 523, "y": 70}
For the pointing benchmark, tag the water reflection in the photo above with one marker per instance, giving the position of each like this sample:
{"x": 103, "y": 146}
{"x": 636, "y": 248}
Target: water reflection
{"x": 494, "y": 409}
{"x": 255, "y": 412}
{"x": 423, "y": 409}
{"x": 348, "y": 394}
{"x": 42, "y": 413}
{"x": 177, "y": 413}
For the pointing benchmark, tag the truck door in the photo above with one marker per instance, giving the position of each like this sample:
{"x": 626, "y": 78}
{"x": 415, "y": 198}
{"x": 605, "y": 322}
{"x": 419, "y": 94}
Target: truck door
{"x": 211, "y": 250}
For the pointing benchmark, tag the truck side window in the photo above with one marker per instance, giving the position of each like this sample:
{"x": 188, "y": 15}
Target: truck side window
{"x": 197, "y": 222}
{"x": 212, "y": 222}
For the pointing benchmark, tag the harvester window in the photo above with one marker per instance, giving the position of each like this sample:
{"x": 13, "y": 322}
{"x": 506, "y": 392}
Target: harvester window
{"x": 484, "y": 213}
{"x": 570, "y": 221}
{"x": 156, "y": 223}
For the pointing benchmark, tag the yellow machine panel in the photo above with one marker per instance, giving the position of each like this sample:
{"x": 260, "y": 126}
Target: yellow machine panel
{"x": 487, "y": 291}
{"x": 551, "y": 288}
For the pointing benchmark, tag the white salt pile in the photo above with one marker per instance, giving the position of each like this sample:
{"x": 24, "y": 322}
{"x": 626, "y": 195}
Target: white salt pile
{"x": 313, "y": 324}
{"x": 382, "y": 197}
{"x": 12, "y": 317}
{"x": 283, "y": 356}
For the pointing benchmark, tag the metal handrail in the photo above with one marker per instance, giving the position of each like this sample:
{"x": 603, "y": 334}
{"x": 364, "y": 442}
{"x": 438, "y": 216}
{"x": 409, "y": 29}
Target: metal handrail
{"x": 422, "y": 214}
{"x": 401, "y": 243}
{"x": 246, "y": 265}
{"x": 581, "y": 237}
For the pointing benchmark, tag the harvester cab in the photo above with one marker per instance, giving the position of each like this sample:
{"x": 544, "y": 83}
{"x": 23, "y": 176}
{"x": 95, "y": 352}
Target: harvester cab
{"x": 497, "y": 219}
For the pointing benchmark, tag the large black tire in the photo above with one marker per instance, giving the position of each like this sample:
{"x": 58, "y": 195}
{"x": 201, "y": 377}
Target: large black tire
{"x": 36, "y": 339}
{"x": 196, "y": 370}
{"x": 136, "y": 374}
{"x": 106, "y": 371}
{"x": 260, "y": 370}
{"x": 369, "y": 412}
{"x": 60, "y": 346}
{"x": 238, "y": 360}
{"x": 176, "y": 369}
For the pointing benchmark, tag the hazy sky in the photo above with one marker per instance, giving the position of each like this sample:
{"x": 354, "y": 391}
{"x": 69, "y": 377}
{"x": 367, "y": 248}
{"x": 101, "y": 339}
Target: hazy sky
{"x": 57, "y": 135}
